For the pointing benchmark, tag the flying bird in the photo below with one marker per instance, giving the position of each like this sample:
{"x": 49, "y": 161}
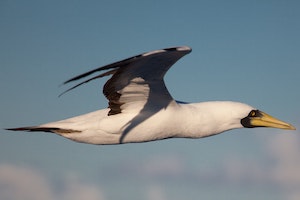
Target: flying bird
{"x": 141, "y": 109}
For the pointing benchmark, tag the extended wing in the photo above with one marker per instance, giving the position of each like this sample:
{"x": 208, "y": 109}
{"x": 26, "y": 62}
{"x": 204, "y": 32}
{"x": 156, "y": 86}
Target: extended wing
{"x": 137, "y": 81}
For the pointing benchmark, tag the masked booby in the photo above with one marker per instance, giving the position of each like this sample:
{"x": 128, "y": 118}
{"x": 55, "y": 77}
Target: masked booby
{"x": 140, "y": 108}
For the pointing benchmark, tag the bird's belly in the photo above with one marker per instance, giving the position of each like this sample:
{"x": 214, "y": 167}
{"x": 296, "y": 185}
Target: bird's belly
{"x": 138, "y": 128}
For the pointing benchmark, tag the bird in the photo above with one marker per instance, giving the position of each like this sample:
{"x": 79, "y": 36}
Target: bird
{"x": 141, "y": 109}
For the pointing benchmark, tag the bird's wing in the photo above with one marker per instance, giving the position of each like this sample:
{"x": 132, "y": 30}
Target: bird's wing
{"x": 137, "y": 81}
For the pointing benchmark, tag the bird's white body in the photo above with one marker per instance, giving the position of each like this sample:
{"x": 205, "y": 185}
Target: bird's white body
{"x": 141, "y": 108}
{"x": 177, "y": 120}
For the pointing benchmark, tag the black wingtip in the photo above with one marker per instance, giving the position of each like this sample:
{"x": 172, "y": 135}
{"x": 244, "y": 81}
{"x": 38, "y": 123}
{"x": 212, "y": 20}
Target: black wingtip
{"x": 88, "y": 80}
{"x": 81, "y": 76}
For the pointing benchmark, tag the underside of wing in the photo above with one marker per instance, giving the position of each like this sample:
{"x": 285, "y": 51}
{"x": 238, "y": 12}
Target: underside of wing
{"x": 136, "y": 81}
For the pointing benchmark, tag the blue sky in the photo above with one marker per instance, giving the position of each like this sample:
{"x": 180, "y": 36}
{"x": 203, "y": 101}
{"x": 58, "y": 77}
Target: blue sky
{"x": 244, "y": 51}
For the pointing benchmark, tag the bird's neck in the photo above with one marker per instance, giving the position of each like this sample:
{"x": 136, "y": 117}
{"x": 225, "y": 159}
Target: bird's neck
{"x": 209, "y": 118}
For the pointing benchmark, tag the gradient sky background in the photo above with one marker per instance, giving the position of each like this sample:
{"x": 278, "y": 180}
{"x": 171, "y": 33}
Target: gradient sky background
{"x": 246, "y": 51}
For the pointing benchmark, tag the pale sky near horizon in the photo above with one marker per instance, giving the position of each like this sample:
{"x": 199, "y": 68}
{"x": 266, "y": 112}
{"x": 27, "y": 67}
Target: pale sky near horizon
{"x": 245, "y": 51}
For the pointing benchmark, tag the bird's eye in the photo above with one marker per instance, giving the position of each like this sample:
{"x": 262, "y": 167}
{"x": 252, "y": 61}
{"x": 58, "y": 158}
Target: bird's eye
{"x": 254, "y": 113}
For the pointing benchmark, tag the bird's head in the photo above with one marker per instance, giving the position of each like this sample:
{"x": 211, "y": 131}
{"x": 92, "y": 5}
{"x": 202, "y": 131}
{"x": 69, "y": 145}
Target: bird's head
{"x": 230, "y": 115}
{"x": 257, "y": 118}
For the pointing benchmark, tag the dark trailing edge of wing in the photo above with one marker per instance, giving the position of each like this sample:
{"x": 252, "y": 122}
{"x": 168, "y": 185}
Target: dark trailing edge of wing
{"x": 116, "y": 65}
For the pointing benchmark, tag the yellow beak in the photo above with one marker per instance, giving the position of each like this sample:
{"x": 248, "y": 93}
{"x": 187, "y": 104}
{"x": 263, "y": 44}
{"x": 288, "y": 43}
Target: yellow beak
{"x": 265, "y": 120}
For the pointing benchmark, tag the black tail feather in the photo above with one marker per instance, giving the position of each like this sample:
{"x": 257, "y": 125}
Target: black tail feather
{"x": 44, "y": 129}
{"x": 34, "y": 129}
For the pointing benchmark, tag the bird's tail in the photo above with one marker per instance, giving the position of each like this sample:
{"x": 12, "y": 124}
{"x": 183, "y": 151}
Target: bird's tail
{"x": 43, "y": 129}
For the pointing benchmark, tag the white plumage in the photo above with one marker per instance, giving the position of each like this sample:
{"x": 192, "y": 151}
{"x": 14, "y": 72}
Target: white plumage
{"x": 141, "y": 108}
